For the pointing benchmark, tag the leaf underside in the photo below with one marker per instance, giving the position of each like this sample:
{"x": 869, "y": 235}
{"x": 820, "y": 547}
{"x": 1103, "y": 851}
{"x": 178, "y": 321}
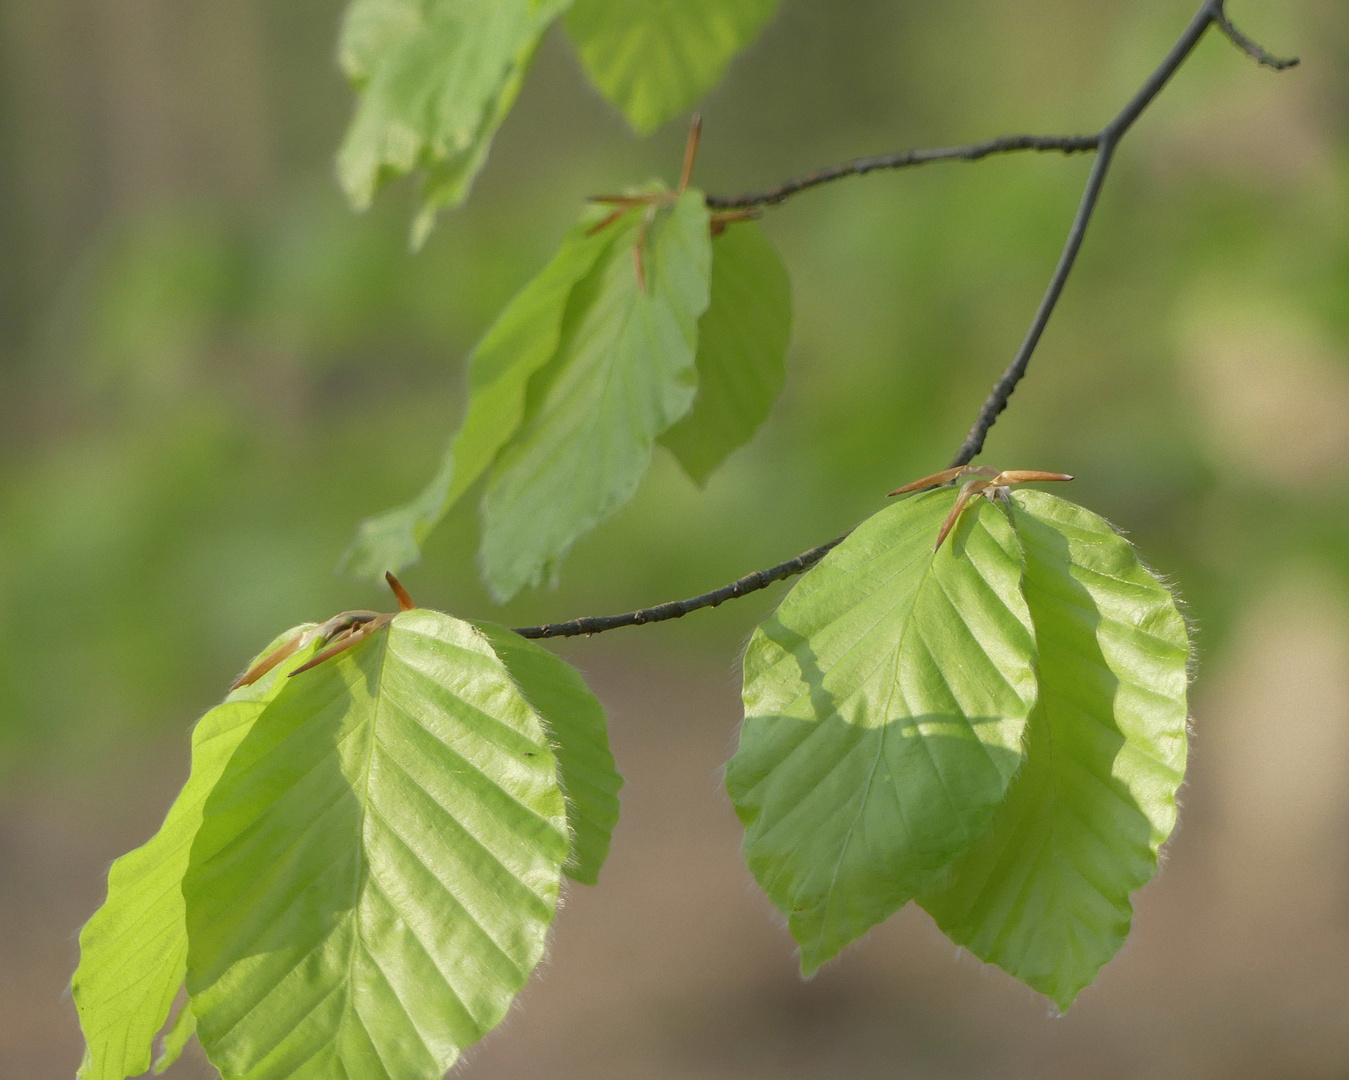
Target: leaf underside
{"x": 1044, "y": 894}
{"x": 623, "y": 373}
{"x": 378, "y": 866}
{"x": 580, "y": 735}
{"x": 133, "y": 952}
{"x": 742, "y": 351}
{"x": 885, "y": 704}
{"x": 654, "y": 58}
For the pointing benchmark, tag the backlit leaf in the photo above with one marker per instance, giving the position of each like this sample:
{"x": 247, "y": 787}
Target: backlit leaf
{"x": 1044, "y": 894}
{"x": 624, "y": 373}
{"x": 885, "y": 703}
{"x": 378, "y": 866}
{"x": 655, "y": 58}
{"x": 133, "y": 952}
{"x": 523, "y": 338}
{"x": 436, "y": 78}
{"x": 182, "y": 1029}
{"x": 742, "y": 350}
{"x": 580, "y": 735}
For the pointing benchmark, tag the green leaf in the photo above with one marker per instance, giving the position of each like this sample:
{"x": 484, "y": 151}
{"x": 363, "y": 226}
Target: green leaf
{"x": 624, "y": 372}
{"x": 1044, "y": 894}
{"x": 133, "y": 952}
{"x": 580, "y": 735}
{"x": 524, "y": 337}
{"x": 436, "y": 79}
{"x": 176, "y": 1038}
{"x": 885, "y": 703}
{"x": 655, "y": 58}
{"x": 742, "y": 350}
{"x": 377, "y": 869}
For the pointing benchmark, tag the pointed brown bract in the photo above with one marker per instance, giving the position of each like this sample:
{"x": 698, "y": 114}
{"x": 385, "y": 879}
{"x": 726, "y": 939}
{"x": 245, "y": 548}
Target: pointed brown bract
{"x": 691, "y": 151}
{"x": 344, "y": 640}
{"x": 405, "y": 602}
{"x": 284, "y": 651}
{"x": 984, "y": 480}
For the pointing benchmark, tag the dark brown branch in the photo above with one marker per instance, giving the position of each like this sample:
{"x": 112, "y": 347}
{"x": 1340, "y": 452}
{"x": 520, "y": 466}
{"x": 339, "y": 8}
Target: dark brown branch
{"x": 1006, "y": 144}
{"x": 1250, "y": 48}
{"x": 1105, "y": 143}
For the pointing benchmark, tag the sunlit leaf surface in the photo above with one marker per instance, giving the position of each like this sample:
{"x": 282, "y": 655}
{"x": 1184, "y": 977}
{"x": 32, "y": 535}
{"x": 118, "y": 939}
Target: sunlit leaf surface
{"x": 378, "y": 866}
{"x": 133, "y": 952}
{"x": 580, "y": 735}
{"x": 885, "y": 704}
{"x": 1044, "y": 894}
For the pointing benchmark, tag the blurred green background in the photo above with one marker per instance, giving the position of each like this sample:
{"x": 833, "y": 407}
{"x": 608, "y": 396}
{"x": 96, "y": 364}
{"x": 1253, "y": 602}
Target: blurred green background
{"x": 210, "y": 371}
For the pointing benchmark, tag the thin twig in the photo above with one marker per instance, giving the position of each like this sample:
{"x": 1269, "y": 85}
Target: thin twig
{"x": 1104, "y": 143}
{"x": 1250, "y": 48}
{"x": 1006, "y": 144}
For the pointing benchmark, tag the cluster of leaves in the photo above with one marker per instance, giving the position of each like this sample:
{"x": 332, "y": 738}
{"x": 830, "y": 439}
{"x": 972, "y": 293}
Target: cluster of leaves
{"x": 642, "y": 328}
{"x": 359, "y": 874}
{"x": 438, "y": 77}
{"x": 361, "y": 870}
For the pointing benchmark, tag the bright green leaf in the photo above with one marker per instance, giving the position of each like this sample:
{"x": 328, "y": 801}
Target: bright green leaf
{"x": 655, "y": 58}
{"x": 580, "y": 735}
{"x": 623, "y": 374}
{"x": 742, "y": 350}
{"x": 524, "y": 337}
{"x": 175, "y": 1039}
{"x": 377, "y": 869}
{"x": 885, "y": 703}
{"x": 1044, "y": 894}
{"x": 133, "y": 952}
{"x": 436, "y": 79}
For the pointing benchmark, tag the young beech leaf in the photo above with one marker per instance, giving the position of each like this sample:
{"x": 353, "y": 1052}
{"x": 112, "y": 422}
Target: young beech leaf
{"x": 1044, "y": 893}
{"x": 580, "y": 736}
{"x": 133, "y": 952}
{"x": 378, "y": 866}
{"x": 436, "y": 79}
{"x": 742, "y": 349}
{"x": 624, "y": 372}
{"x": 654, "y": 58}
{"x": 885, "y": 703}
{"x": 523, "y": 338}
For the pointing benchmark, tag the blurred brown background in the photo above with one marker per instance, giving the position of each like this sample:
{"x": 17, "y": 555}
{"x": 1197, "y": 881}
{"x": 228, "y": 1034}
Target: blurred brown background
{"x": 210, "y": 370}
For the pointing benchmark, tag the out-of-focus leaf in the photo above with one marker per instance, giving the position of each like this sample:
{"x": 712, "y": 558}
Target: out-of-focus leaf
{"x": 436, "y": 79}
{"x": 524, "y": 338}
{"x": 742, "y": 350}
{"x": 377, "y": 868}
{"x": 624, "y": 372}
{"x": 580, "y": 734}
{"x": 655, "y": 58}
{"x": 176, "y": 1038}
{"x": 885, "y": 703}
{"x": 1044, "y": 894}
{"x": 133, "y": 952}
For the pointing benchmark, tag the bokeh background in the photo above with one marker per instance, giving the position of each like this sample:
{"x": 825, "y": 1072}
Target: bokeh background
{"x": 210, "y": 370}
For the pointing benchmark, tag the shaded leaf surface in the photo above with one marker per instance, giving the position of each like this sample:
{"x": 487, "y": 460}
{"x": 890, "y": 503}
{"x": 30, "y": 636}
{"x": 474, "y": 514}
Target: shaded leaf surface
{"x": 655, "y": 58}
{"x": 436, "y": 79}
{"x": 1044, "y": 894}
{"x": 580, "y": 734}
{"x": 524, "y": 338}
{"x": 742, "y": 351}
{"x": 885, "y": 703}
{"x": 624, "y": 372}
{"x": 378, "y": 865}
{"x": 133, "y": 952}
